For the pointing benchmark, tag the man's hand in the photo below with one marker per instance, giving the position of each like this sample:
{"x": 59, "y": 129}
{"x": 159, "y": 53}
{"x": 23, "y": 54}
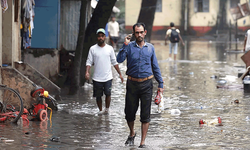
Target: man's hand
{"x": 121, "y": 78}
{"x": 128, "y": 38}
{"x": 160, "y": 90}
{"x": 183, "y": 44}
{"x": 87, "y": 76}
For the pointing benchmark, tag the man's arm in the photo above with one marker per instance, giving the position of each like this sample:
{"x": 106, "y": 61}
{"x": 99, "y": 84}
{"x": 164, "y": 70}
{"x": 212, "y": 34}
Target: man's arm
{"x": 181, "y": 40}
{"x": 245, "y": 41}
{"x": 87, "y": 72}
{"x": 89, "y": 63}
{"x": 156, "y": 71}
{"x": 123, "y": 52}
{"x": 118, "y": 71}
{"x": 115, "y": 64}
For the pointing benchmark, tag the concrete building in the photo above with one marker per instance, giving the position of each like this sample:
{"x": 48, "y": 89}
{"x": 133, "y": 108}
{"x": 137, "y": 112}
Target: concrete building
{"x": 14, "y": 73}
{"x": 193, "y": 17}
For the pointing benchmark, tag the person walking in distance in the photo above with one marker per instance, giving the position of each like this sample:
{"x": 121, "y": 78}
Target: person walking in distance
{"x": 142, "y": 66}
{"x": 174, "y": 36}
{"x": 113, "y": 29}
{"x": 102, "y": 55}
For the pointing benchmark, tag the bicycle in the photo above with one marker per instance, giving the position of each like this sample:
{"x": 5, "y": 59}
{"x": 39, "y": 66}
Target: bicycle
{"x": 11, "y": 105}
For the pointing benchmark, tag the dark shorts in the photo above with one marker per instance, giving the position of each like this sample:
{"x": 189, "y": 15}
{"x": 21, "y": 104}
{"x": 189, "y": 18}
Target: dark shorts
{"x": 102, "y": 87}
{"x": 114, "y": 38}
{"x": 138, "y": 91}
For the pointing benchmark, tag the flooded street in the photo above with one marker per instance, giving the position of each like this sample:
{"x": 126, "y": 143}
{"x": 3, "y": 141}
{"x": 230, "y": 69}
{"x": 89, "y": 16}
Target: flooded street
{"x": 190, "y": 86}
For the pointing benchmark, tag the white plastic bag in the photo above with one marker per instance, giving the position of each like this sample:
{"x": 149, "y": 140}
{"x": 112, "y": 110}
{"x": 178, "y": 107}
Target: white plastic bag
{"x": 161, "y": 105}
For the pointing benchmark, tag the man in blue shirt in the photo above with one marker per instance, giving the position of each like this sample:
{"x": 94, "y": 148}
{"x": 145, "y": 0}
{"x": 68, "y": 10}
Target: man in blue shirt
{"x": 142, "y": 66}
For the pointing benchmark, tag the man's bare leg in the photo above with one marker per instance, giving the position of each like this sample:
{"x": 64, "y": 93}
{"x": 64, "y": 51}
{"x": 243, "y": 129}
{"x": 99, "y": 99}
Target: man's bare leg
{"x": 144, "y": 130}
{"x": 131, "y": 128}
{"x": 107, "y": 103}
{"x": 99, "y": 103}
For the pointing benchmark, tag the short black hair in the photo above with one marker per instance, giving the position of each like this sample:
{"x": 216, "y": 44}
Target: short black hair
{"x": 171, "y": 24}
{"x": 138, "y": 25}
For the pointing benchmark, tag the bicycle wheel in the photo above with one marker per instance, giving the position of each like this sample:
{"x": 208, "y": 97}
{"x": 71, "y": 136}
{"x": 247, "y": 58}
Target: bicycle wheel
{"x": 12, "y": 104}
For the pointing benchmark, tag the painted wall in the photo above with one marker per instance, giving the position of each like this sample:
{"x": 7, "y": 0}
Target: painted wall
{"x": 243, "y": 23}
{"x": 11, "y": 33}
{"x": 199, "y": 23}
{"x": 46, "y": 61}
{"x": 1, "y": 40}
{"x": 46, "y": 24}
{"x": 171, "y": 12}
{"x": 204, "y": 19}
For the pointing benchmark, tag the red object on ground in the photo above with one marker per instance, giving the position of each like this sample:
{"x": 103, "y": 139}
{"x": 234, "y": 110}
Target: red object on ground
{"x": 158, "y": 98}
{"x": 201, "y": 122}
{"x": 219, "y": 120}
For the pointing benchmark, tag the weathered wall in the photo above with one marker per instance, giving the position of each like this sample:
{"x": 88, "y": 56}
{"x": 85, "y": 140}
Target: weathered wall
{"x": 243, "y": 23}
{"x": 46, "y": 61}
{"x": 1, "y": 40}
{"x": 199, "y": 23}
{"x": 14, "y": 79}
{"x": 204, "y": 19}
{"x": 11, "y": 33}
{"x": 38, "y": 78}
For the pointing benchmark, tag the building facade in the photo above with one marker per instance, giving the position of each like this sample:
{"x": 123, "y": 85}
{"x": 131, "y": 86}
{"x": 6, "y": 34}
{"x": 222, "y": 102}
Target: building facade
{"x": 193, "y": 17}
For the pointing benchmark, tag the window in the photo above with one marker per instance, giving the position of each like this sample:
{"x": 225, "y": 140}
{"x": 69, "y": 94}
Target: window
{"x": 234, "y": 3}
{"x": 201, "y": 5}
{"x": 158, "y": 6}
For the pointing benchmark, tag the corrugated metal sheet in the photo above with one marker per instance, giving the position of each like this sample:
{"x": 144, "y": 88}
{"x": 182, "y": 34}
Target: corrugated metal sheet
{"x": 69, "y": 23}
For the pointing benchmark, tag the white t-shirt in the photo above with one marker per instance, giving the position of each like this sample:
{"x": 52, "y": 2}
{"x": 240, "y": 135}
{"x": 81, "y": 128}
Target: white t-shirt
{"x": 248, "y": 40}
{"x": 101, "y": 58}
{"x": 113, "y": 28}
{"x": 170, "y": 30}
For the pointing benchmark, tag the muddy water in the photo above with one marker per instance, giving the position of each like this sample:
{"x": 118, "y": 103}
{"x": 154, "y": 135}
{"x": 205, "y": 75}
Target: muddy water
{"x": 189, "y": 85}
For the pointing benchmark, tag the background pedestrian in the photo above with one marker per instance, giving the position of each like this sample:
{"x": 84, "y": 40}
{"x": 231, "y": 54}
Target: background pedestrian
{"x": 102, "y": 55}
{"x": 113, "y": 28}
{"x": 174, "y": 37}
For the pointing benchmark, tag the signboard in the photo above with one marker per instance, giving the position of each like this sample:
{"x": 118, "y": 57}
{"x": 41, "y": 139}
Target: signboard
{"x": 240, "y": 11}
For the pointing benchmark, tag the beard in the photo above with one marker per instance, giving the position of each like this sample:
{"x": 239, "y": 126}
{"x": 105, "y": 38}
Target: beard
{"x": 100, "y": 41}
{"x": 139, "y": 39}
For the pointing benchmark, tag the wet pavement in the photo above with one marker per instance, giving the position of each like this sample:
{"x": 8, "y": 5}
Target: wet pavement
{"x": 190, "y": 86}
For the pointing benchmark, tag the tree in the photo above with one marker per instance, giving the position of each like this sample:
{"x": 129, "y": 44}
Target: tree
{"x": 147, "y": 15}
{"x": 86, "y": 39}
{"x": 75, "y": 74}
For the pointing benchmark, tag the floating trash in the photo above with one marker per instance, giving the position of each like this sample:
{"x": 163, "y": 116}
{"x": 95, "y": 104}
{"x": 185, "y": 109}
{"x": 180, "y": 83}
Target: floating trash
{"x": 222, "y": 82}
{"x": 55, "y": 139}
{"x": 175, "y": 112}
{"x": 213, "y": 77}
{"x": 214, "y": 122}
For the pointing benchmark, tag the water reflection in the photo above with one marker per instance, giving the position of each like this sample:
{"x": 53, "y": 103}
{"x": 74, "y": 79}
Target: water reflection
{"x": 188, "y": 88}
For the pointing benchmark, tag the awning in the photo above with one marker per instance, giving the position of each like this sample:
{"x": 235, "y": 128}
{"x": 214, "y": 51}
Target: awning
{"x": 94, "y": 3}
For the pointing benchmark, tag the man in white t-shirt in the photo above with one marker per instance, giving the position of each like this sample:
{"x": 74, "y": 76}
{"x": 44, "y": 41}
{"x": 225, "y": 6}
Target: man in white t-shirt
{"x": 113, "y": 28}
{"x": 101, "y": 56}
{"x": 174, "y": 36}
{"x": 247, "y": 41}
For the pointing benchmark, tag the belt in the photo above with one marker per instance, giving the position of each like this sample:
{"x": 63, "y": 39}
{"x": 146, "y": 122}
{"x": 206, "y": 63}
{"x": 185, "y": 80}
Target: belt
{"x": 140, "y": 79}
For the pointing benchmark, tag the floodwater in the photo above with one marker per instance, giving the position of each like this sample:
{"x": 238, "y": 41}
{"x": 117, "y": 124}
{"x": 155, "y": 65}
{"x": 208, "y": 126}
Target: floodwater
{"x": 190, "y": 86}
